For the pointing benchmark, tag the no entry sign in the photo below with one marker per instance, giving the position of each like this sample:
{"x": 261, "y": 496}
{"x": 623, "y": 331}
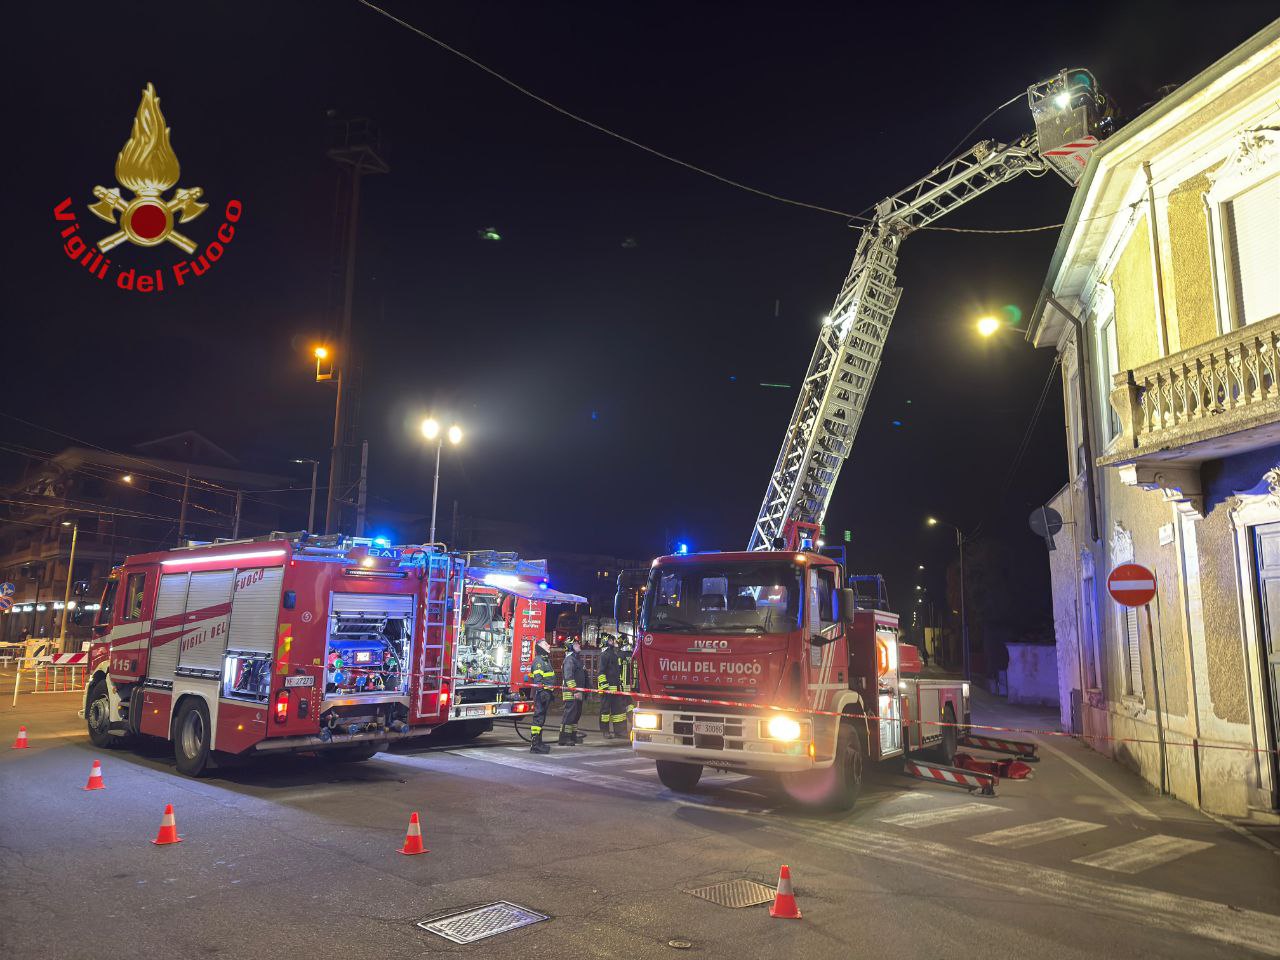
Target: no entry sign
{"x": 1131, "y": 585}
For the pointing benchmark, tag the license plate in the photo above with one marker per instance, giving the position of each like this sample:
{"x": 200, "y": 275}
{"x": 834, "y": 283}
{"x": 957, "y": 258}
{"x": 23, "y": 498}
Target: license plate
{"x": 708, "y": 728}
{"x": 479, "y": 711}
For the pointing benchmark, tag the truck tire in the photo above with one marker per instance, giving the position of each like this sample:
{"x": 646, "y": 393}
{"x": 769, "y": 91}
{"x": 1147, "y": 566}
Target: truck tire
{"x": 945, "y": 751}
{"x": 848, "y": 767}
{"x": 191, "y": 737}
{"x": 97, "y": 716}
{"x": 677, "y": 776}
{"x": 353, "y": 754}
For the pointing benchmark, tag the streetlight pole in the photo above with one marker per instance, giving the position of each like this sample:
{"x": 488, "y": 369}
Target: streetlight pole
{"x": 431, "y": 430}
{"x": 71, "y": 566}
{"x": 964, "y": 621}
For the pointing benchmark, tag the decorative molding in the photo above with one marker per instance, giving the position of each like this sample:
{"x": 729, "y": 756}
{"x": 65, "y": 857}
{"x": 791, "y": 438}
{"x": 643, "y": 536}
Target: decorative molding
{"x": 1178, "y": 485}
{"x": 1121, "y": 543}
{"x": 1259, "y": 504}
{"x": 1254, "y": 150}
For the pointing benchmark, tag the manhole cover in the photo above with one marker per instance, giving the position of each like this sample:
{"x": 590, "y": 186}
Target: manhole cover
{"x": 482, "y": 922}
{"x": 735, "y": 893}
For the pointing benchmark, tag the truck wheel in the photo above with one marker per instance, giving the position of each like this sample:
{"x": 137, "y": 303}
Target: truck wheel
{"x": 680, "y": 777}
{"x": 356, "y": 754}
{"x": 847, "y": 768}
{"x": 946, "y": 750}
{"x": 191, "y": 736}
{"x": 97, "y": 716}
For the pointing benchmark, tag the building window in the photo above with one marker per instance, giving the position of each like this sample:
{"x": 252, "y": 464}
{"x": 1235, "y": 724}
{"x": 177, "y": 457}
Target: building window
{"x": 1251, "y": 236}
{"x": 1108, "y": 367}
{"x": 1130, "y": 649}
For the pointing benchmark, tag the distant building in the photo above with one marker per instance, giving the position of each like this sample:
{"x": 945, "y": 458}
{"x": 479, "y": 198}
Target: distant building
{"x": 1170, "y": 261}
{"x": 182, "y": 487}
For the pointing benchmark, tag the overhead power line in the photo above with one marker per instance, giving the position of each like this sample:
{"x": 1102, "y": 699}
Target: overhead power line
{"x": 595, "y": 126}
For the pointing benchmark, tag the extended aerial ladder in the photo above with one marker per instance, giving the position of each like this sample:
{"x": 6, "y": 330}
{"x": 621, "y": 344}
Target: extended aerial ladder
{"x": 1071, "y": 116}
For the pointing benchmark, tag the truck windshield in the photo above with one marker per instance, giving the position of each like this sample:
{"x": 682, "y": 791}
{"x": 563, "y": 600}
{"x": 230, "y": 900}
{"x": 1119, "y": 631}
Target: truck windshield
{"x": 723, "y": 598}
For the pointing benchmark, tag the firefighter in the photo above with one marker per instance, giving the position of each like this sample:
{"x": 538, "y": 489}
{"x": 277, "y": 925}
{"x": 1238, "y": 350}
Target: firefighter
{"x": 627, "y": 654}
{"x": 612, "y": 704}
{"x": 574, "y": 681}
{"x": 542, "y": 676}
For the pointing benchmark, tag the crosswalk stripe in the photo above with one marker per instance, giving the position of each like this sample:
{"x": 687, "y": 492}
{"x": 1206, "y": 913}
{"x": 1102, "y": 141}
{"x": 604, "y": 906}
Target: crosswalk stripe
{"x": 629, "y": 758}
{"x": 929, "y": 818}
{"x": 1030, "y": 834}
{"x": 1138, "y": 906}
{"x": 1143, "y": 854}
{"x": 577, "y": 774}
{"x": 649, "y": 771}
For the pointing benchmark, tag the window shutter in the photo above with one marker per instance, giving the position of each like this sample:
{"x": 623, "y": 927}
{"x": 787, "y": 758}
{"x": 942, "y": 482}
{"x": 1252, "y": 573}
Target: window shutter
{"x": 1133, "y": 638}
{"x": 1254, "y": 218}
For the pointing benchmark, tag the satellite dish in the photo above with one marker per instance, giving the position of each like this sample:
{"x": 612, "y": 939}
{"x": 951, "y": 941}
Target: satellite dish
{"x": 1045, "y": 522}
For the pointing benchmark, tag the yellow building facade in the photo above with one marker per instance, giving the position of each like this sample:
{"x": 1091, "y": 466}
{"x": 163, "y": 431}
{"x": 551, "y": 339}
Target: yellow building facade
{"x": 1163, "y": 300}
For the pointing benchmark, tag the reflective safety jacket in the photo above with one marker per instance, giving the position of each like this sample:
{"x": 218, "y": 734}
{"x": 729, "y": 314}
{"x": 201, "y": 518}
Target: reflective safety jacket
{"x": 541, "y": 671}
{"x": 610, "y": 670}
{"x": 575, "y": 674}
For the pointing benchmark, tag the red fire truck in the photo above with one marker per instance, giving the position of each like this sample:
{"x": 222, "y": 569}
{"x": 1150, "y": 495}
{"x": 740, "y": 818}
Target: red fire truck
{"x": 774, "y": 635}
{"x": 301, "y": 643}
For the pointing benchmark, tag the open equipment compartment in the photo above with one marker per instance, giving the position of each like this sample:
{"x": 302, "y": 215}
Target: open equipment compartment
{"x": 367, "y": 656}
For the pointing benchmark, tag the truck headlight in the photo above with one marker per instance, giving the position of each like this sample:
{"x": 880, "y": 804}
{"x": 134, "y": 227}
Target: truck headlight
{"x": 647, "y": 721}
{"x": 783, "y": 728}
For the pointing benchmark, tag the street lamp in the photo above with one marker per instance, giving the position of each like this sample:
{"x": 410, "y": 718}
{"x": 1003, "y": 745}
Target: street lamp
{"x": 311, "y": 512}
{"x": 988, "y": 326}
{"x": 964, "y": 623}
{"x": 431, "y": 430}
{"x": 66, "y": 598}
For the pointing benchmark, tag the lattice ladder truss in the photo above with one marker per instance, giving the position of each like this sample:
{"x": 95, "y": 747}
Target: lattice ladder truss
{"x": 837, "y": 386}
{"x": 435, "y": 632}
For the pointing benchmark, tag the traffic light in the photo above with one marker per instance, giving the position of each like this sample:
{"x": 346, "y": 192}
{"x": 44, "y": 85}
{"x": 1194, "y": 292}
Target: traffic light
{"x": 848, "y": 536}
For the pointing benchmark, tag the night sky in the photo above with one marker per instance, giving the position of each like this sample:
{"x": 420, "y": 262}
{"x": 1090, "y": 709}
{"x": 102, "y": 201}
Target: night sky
{"x": 604, "y": 357}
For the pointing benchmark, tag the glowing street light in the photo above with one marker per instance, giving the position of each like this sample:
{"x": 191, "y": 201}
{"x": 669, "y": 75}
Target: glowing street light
{"x": 431, "y": 430}
{"x": 988, "y": 326}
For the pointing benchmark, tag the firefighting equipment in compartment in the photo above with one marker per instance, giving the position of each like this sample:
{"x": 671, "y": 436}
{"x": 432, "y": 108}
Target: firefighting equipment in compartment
{"x": 540, "y": 673}
{"x": 574, "y": 681}
{"x": 613, "y": 706}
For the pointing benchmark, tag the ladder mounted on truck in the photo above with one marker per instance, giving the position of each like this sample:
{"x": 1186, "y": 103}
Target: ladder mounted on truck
{"x": 1071, "y": 115}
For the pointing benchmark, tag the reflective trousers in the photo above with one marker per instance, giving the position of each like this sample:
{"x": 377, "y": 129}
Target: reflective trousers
{"x": 541, "y": 701}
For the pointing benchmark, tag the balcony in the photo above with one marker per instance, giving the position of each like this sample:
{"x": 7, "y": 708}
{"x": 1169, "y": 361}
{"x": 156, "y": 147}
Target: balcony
{"x": 1211, "y": 401}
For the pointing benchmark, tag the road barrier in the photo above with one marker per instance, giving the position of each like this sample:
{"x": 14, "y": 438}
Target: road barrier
{"x": 61, "y": 673}
{"x": 969, "y": 780}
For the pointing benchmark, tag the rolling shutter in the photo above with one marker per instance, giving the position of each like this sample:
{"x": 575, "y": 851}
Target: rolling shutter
{"x": 205, "y": 630}
{"x": 376, "y": 604}
{"x": 170, "y": 602}
{"x": 1133, "y": 644}
{"x": 255, "y": 610}
{"x": 1255, "y": 251}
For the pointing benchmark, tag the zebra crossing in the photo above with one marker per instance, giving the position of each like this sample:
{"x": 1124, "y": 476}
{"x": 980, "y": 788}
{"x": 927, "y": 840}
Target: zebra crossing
{"x": 618, "y": 769}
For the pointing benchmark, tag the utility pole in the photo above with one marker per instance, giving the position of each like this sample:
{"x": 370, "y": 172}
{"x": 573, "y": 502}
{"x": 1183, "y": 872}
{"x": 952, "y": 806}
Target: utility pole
{"x": 363, "y": 489}
{"x": 182, "y": 514}
{"x": 356, "y": 147}
{"x": 235, "y": 526}
{"x": 66, "y": 598}
{"x": 964, "y": 621}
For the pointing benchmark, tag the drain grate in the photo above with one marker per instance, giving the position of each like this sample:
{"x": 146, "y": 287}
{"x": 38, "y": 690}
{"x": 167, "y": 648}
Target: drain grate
{"x": 735, "y": 893}
{"x": 482, "y": 922}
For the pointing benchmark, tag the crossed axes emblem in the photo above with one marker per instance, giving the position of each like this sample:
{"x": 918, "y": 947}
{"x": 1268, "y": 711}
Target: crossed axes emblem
{"x": 184, "y": 203}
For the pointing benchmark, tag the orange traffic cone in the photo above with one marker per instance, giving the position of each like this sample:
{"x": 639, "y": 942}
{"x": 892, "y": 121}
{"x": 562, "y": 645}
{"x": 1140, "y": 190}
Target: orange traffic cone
{"x": 413, "y": 838}
{"x": 95, "y": 777}
{"x": 784, "y": 902}
{"x": 168, "y": 828}
{"x": 21, "y": 742}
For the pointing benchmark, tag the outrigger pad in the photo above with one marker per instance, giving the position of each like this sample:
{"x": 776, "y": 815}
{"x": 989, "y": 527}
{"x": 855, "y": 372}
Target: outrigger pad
{"x": 1006, "y": 769}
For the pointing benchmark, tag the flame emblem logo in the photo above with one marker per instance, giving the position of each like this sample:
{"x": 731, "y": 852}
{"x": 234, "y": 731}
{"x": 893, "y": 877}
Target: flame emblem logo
{"x": 147, "y": 167}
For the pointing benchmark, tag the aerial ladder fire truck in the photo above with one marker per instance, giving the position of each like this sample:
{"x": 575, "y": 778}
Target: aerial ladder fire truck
{"x": 782, "y": 669}
{"x": 305, "y": 643}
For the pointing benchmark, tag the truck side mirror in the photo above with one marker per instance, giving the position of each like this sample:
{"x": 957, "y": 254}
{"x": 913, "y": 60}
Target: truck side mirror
{"x": 848, "y": 605}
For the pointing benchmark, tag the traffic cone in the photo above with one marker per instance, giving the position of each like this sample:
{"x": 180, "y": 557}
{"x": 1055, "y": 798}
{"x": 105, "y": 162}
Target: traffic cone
{"x": 784, "y": 902}
{"x": 95, "y": 777}
{"x": 168, "y": 828}
{"x": 413, "y": 838}
{"x": 21, "y": 742}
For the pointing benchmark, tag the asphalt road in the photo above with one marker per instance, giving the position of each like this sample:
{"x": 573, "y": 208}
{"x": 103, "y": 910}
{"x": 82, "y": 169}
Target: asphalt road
{"x": 298, "y": 857}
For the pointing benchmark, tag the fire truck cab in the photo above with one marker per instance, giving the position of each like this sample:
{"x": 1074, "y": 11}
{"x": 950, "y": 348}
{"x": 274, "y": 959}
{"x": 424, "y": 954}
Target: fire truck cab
{"x": 298, "y": 643}
{"x": 781, "y": 671}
